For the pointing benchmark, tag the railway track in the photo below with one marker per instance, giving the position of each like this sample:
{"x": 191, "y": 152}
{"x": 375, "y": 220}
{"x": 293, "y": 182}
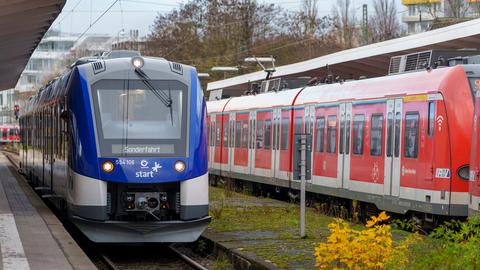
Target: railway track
{"x": 123, "y": 257}
{"x": 152, "y": 256}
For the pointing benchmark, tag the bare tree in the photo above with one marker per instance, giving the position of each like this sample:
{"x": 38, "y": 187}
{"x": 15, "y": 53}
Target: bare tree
{"x": 310, "y": 14}
{"x": 384, "y": 21}
{"x": 456, "y": 8}
{"x": 345, "y": 23}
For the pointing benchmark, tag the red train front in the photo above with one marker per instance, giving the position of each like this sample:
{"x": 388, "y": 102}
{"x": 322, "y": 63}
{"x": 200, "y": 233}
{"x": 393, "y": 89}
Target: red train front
{"x": 9, "y": 134}
{"x": 474, "y": 187}
{"x": 398, "y": 142}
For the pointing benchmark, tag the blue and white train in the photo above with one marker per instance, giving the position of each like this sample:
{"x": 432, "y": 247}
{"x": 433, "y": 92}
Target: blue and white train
{"x": 119, "y": 145}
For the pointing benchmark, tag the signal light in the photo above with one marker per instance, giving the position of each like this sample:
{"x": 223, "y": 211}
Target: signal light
{"x": 138, "y": 62}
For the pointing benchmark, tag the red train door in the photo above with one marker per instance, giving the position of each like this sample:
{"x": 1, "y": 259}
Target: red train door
{"x": 231, "y": 142}
{"x": 224, "y": 143}
{"x": 276, "y": 143}
{"x": 343, "y": 163}
{"x": 263, "y": 143}
{"x": 251, "y": 141}
{"x": 393, "y": 146}
{"x": 283, "y": 160}
{"x": 240, "y": 156}
{"x": 217, "y": 156}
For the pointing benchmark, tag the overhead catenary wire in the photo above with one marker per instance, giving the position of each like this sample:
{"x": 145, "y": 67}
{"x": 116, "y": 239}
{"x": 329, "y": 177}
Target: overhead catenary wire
{"x": 96, "y": 20}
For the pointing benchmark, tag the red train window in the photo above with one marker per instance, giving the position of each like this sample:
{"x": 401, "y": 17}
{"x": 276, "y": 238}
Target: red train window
{"x": 238, "y": 130}
{"x": 268, "y": 133}
{"x": 411, "y": 135}
{"x": 332, "y": 134}
{"x": 320, "y": 134}
{"x": 376, "y": 132}
{"x": 285, "y": 132}
{"x": 358, "y": 124}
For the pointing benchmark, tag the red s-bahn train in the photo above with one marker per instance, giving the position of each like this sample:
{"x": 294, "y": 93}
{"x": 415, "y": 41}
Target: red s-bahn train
{"x": 400, "y": 142}
{"x": 9, "y": 134}
{"x": 474, "y": 187}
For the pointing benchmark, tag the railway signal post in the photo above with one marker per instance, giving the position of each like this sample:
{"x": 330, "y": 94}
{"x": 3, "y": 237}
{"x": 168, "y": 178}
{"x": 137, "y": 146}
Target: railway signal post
{"x": 302, "y": 171}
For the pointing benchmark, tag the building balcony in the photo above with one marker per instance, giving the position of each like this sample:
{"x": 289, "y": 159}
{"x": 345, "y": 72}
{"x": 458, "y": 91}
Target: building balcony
{"x": 422, "y": 2}
{"x": 426, "y": 17}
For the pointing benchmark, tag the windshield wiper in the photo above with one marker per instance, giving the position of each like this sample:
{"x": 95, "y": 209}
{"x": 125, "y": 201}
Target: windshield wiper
{"x": 161, "y": 95}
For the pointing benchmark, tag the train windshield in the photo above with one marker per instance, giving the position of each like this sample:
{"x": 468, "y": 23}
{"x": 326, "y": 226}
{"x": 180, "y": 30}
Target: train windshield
{"x": 132, "y": 120}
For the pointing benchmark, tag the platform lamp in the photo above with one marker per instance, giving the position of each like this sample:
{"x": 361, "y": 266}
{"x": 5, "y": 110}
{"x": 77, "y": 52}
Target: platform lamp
{"x": 261, "y": 61}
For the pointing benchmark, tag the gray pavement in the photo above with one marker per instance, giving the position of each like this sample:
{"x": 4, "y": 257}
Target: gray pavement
{"x": 31, "y": 236}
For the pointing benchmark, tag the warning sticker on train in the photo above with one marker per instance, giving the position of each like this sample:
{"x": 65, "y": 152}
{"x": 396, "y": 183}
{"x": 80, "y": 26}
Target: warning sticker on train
{"x": 442, "y": 173}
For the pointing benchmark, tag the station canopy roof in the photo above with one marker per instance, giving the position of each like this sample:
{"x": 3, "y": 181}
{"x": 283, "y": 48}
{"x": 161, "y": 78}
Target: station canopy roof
{"x": 22, "y": 25}
{"x": 371, "y": 60}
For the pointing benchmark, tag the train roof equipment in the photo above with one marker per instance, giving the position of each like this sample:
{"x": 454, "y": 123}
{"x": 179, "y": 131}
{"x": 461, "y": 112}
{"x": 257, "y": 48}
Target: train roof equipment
{"x": 367, "y": 61}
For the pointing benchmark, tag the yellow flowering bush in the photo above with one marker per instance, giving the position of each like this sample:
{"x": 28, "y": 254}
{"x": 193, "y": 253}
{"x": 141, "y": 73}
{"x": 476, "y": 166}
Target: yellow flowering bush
{"x": 371, "y": 248}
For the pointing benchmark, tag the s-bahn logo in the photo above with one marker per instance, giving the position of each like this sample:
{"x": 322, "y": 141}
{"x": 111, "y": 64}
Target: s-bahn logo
{"x": 440, "y": 122}
{"x": 408, "y": 171}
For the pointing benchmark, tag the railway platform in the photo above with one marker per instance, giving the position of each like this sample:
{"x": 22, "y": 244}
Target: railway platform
{"x": 31, "y": 236}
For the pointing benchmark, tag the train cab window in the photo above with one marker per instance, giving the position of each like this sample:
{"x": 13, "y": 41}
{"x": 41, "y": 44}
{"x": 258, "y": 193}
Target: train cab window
{"x": 320, "y": 134}
{"x": 358, "y": 126}
{"x": 431, "y": 118}
{"x": 411, "y": 135}
{"x": 389, "y": 133}
{"x": 285, "y": 131}
{"x": 238, "y": 132}
{"x": 376, "y": 132}
{"x": 298, "y": 125}
{"x": 259, "y": 134}
{"x": 331, "y": 134}
{"x": 244, "y": 134}
{"x": 268, "y": 133}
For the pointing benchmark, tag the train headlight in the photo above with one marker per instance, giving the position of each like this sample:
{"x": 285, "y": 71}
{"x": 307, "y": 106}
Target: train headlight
{"x": 138, "y": 62}
{"x": 108, "y": 166}
{"x": 179, "y": 166}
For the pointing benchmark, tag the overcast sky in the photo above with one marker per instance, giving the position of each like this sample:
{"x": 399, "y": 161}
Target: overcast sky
{"x": 78, "y": 15}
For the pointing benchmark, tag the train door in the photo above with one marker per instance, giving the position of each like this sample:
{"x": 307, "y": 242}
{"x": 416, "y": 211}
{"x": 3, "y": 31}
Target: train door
{"x": 276, "y": 142}
{"x": 251, "y": 141}
{"x": 343, "y": 163}
{"x": 393, "y": 147}
{"x": 284, "y": 145}
{"x": 240, "y": 157}
{"x": 211, "y": 143}
{"x": 231, "y": 142}
{"x": 263, "y": 144}
{"x": 225, "y": 143}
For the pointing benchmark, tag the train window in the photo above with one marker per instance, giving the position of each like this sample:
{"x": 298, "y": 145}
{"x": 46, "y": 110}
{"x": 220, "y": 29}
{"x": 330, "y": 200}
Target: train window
{"x": 347, "y": 135}
{"x": 285, "y": 131}
{"x": 238, "y": 132}
{"x": 298, "y": 125}
{"x": 232, "y": 133}
{"x": 244, "y": 134}
{"x": 358, "y": 126}
{"x": 331, "y": 134}
{"x": 376, "y": 132}
{"x": 431, "y": 118}
{"x": 259, "y": 134}
{"x": 268, "y": 133}
{"x": 342, "y": 133}
{"x": 389, "y": 133}
{"x": 217, "y": 136}
{"x": 225, "y": 133}
{"x": 398, "y": 122}
{"x": 411, "y": 135}
{"x": 320, "y": 134}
